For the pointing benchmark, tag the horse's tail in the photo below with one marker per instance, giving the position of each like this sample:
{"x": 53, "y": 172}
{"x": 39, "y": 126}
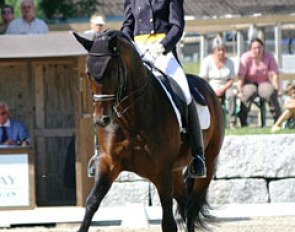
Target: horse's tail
{"x": 197, "y": 206}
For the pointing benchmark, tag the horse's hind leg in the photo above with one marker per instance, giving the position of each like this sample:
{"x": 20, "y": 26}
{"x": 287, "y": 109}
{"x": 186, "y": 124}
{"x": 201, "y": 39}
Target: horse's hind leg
{"x": 103, "y": 183}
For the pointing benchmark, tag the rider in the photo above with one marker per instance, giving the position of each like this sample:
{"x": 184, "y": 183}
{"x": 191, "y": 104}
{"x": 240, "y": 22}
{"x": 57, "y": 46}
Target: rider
{"x": 156, "y": 27}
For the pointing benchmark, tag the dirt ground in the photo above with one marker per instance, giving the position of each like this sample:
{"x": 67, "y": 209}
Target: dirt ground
{"x": 257, "y": 224}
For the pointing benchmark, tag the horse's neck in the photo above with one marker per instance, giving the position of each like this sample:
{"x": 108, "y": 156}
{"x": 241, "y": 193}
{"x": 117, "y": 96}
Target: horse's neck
{"x": 142, "y": 78}
{"x": 137, "y": 77}
{"x": 137, "y": 89}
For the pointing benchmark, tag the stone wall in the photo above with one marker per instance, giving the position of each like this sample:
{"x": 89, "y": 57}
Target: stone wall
{"x": 255, "y": 169}
{"x": 251, "y": 169}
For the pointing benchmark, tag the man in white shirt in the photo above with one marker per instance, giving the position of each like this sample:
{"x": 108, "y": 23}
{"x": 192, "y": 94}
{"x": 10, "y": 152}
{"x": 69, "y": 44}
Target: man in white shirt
{"x": 96, "y": 24}
{"x": 28, "y": 23}
{"x": 12, "y": 132}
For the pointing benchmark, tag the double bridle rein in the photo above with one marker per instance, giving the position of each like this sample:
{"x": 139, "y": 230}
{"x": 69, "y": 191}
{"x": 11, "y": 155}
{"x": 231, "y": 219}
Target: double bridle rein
{"x": 119, "y": 97}
{"x": 124, "y": 100}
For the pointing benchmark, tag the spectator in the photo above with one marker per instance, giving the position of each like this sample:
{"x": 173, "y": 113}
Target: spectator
{"x": 7, "y": 15}
{"x": 96, "y": 24}
{"x": 256, "y": 66}
{"x": 156, "y": 27}
{"x": 12, "y": 132}
{"x": 219, "y": 70}
{"x": 28, "y": 23}
{"x": 289, "y": 109}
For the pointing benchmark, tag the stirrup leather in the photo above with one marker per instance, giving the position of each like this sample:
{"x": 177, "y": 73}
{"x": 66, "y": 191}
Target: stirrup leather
{"x": 91, "y": 167}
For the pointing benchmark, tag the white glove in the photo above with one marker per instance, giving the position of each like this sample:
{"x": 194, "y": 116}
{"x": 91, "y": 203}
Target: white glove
{"x": 156, "y": 50}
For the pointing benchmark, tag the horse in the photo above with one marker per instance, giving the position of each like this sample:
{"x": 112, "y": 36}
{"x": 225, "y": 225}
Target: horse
{"x": 138, "y": 132}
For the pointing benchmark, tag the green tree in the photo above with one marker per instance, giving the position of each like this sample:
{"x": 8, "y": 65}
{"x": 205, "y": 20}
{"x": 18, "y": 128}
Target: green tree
{"x": 57, "y": 9}
{"x": 64, "y": 9}
{"x": 86, "y": 7}
{"x": 60, "y": 9}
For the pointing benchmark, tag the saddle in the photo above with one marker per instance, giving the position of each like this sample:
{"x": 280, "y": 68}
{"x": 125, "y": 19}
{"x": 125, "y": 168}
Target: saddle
{"x": 176, "y": 94}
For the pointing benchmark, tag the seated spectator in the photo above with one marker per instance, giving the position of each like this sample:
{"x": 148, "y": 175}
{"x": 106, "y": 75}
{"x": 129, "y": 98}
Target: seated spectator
{"x": 96, "y": 25}
{"x": 220, "y": 72}
{"x": 289, "y": 109}
{"x": 7, "y": 15}
{"x": 12, "y": 132}
{"x": 256, "y": 68}
{"x": 28, "y": 23}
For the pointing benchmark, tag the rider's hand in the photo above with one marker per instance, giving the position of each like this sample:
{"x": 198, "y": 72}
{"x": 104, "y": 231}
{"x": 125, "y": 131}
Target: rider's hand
{"x": 156, "y": 50}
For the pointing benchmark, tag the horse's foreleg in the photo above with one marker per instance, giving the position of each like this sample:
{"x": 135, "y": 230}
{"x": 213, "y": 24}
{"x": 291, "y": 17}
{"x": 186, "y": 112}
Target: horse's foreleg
{"x": 103, "y": 182}
{"x": 164, "y": 188}
{"x": 93, "y": 201}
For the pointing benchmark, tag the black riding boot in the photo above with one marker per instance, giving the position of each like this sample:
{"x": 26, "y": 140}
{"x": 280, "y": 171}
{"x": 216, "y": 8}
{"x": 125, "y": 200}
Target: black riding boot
{"x": 197, "y": 168}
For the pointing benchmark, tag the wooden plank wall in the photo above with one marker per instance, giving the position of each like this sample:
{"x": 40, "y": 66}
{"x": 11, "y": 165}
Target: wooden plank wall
{"x": 55, "y": 129}
{"x": 52, "y": 96}
{"x": 42, "y": 94}
{"x": 84, "y": 138}
{"x": 16, "y": 89}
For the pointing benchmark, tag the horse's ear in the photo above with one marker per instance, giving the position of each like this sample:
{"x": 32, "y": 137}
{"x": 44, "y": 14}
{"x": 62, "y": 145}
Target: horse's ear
{"x": 112, "y": 41}
{"x": 87, "y": 44}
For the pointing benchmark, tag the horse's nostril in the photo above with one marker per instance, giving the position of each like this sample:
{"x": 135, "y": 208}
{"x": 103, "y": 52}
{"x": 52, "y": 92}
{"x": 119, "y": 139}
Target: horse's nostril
{"x": 103, "y": 121}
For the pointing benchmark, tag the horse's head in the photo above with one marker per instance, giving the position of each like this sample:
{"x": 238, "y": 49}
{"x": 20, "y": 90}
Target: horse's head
{"x": 108, "y": 59}
{"x": 103, "y": 56}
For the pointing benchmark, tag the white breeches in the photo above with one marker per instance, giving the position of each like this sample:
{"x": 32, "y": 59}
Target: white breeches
{"x": 170, "y": 66}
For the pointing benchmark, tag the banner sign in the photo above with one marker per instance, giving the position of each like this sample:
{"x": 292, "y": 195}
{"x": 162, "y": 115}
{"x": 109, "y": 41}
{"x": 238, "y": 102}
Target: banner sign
{"x": 14, "y": 180}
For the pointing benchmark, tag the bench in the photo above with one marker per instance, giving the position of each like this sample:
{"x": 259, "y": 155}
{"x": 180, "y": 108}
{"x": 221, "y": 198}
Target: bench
{"x": 258, "y": 102}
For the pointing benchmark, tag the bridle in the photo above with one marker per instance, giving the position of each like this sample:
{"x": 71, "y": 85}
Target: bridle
{"x": 119, "y": 98}
{"x": 122, "y": 100}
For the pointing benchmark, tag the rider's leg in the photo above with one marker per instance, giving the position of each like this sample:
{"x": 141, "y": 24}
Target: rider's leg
{"x": 196, "y": 168}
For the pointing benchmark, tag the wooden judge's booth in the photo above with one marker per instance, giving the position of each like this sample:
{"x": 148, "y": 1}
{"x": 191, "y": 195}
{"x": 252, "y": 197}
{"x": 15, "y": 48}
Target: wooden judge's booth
{"x": 42, "y": 78}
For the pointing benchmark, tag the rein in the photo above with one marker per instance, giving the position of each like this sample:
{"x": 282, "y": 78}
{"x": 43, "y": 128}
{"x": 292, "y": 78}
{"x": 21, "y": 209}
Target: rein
{"x": 122, "y": 85}
{"x": 122, "y": 104}
{"x": 120, "y": 101}
{"x": 141, "y": 90}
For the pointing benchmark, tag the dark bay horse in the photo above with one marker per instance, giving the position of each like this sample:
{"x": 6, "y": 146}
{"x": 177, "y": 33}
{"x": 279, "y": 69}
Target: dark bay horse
{"x": 139, "y": 133}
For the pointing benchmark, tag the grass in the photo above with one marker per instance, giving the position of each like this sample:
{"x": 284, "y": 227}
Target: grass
{"x": 257, "y": 131}
{"x": 191, "y": 67}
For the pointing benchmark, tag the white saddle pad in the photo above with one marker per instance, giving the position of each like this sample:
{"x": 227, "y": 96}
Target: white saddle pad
{"x": 204, "y": 116}
{"x": 203, "y": 112}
